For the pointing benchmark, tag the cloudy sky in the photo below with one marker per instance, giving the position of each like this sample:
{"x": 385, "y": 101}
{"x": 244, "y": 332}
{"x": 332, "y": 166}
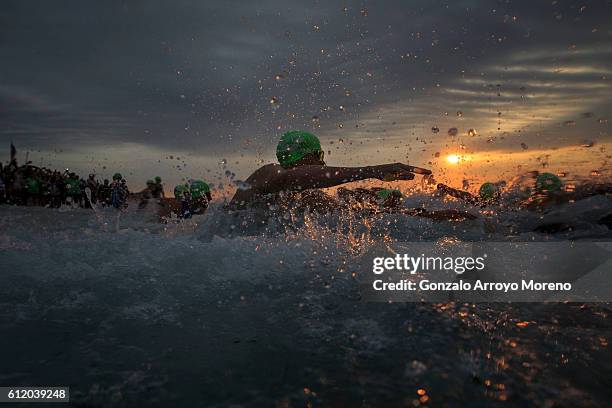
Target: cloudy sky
{"x": 198, "y": 88}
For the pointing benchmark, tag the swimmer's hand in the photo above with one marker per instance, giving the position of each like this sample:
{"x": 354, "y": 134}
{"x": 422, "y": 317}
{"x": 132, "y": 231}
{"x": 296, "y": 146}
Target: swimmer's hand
{"x": 396, "y": 171}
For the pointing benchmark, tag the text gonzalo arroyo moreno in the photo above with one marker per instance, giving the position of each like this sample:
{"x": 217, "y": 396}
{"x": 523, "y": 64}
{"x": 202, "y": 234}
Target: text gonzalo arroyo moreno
{"x": 459, "y": 265}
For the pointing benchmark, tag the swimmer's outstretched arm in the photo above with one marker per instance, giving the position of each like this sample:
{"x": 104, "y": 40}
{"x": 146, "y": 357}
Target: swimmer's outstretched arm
{"x": 459, "y": 194}
{"x": 316, "y": 176}
{"x": 272, "y": 178}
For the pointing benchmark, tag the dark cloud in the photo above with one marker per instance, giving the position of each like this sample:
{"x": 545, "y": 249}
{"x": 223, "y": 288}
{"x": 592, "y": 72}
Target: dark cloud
{"x": 223, "y": 78}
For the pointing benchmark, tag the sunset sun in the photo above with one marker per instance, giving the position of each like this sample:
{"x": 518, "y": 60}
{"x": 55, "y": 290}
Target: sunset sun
{"x": 453, "y": 158}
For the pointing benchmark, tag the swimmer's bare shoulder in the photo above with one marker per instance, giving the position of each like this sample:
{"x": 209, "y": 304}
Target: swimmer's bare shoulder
{"x": 256, "y": 185}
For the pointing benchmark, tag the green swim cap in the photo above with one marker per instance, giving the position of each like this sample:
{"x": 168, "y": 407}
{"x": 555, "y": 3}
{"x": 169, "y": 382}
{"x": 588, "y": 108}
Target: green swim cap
{"x": 73, "y": 186}
{"x": 199, "y": 188}
{"x": 33, "y": 185}
{"x": 117, "y": 176}
{"x": 385, "y": 192}
{"x": 548, "y": 183}
{"x": 157, "y": 179}
{"x": 180, "y": 189}
{"x": 294, "y": 145}
{"x": 487, "y": 191}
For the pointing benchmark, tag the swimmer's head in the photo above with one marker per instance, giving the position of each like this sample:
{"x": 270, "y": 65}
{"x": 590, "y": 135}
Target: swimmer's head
{"x": 384, "y": 193}
{"x": 487, "y": 191}
{"x": 198, "y": 188}
{"x": 548, "y": 183}
{"x": 180, "y": 190}
{"x": 389, "y": 198}
{"x": 297, "y": 148}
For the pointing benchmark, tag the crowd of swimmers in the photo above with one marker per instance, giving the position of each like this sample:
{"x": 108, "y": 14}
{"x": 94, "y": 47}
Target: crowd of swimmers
{"x": 39, "y": 186}
{"x": 30, "y": 185}
{"x": 296, "y": 182}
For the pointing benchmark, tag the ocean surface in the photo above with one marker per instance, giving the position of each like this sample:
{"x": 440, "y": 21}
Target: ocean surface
{"x": 227, "y": 310}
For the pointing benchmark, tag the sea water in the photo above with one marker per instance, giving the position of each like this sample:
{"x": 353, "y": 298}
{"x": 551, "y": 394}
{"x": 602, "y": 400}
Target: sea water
{"x": 216, "y": 311}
